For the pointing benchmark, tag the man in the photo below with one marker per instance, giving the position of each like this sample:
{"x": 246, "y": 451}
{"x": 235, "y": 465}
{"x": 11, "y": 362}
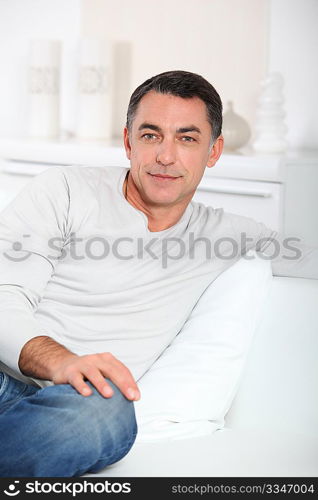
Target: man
{"x": 100, "y": 269}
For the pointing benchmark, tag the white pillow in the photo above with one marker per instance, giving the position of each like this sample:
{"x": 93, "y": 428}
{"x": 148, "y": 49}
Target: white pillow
{"x": 189, "y": 389}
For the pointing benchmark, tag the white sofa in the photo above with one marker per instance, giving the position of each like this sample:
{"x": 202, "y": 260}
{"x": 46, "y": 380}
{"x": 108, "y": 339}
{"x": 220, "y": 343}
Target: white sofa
{"x": 271, "y": 429}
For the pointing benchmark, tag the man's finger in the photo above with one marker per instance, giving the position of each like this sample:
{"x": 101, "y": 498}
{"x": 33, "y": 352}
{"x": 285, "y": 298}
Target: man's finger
{"x": 97, "y": 380}
{"x": 120, "y": 375}
{"x": 77, "y": 381}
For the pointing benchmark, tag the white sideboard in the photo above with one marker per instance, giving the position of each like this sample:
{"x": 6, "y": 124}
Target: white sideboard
{"x": 279, "y": 190}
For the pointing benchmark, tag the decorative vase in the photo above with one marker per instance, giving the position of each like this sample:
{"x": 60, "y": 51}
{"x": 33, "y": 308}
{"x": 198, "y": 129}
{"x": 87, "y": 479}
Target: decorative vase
{"x": 94, "y": 106}
{"x": 270, "y": 129}
{"x": 235, "y": 130}
{"x": 44, "y": 88}
{"x": 122, "y": 75}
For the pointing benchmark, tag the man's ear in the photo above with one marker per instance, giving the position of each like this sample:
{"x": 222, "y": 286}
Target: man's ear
{"x": 215, "y": 152}
{"x": 127, "y": 143}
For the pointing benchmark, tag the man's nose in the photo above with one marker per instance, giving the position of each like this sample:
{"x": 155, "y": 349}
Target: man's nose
{"x": 166, "y": 153}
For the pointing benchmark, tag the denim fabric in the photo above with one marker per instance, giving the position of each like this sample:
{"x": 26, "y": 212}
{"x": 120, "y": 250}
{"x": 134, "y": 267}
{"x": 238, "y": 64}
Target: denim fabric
{"x": 56, "y": 432}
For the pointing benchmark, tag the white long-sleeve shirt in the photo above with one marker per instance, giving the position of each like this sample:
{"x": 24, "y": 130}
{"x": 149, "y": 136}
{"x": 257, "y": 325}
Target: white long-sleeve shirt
{"x": 79, "y": 264}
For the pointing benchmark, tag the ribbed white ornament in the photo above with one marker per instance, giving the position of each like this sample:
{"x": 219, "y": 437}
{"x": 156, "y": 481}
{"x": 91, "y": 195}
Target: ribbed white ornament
{"x": 270, "y": 128}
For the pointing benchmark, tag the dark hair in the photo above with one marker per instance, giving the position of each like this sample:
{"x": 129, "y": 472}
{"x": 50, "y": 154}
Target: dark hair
{"x": 182, "y": 84}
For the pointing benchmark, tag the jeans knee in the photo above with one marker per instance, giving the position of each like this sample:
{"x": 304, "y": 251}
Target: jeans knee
{"x": 68, "y": 434}
{"x": 106, "y": 428}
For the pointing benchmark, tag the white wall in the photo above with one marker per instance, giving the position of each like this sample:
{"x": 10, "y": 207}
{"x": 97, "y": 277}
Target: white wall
{"x": 230, "y": 42}
{"x": 21, "y": 20}
{"x": 223, "y": 40}
{"x": 293, "y": 44}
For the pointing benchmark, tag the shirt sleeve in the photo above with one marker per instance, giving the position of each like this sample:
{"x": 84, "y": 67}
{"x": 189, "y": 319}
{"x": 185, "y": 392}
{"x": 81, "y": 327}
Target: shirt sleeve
{"x": 289, "y": 255}
{"x": 33, "y": 231}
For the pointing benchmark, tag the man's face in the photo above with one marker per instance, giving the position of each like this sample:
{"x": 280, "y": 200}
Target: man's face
{"x": 169, "y": 148}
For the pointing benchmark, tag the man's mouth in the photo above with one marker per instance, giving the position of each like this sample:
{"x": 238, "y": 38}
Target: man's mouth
{"x": 164, "y": 177}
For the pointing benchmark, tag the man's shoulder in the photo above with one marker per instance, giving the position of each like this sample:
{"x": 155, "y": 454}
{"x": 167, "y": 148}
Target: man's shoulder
{"x": 203, "y": 212}
{"x": 76, "y": 183}
{"x": 208, "y": 216}
{"x": 87, "y": 173}
{"x": 82, "y": 179}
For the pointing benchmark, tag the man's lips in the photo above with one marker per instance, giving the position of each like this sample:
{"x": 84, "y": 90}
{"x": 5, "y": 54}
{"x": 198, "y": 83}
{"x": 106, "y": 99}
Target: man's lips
{"x": 163, "y": 176}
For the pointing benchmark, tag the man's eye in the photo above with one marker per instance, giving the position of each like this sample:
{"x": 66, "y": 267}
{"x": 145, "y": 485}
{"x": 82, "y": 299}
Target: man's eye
{"x": 187, "y": 138}
{"x": 148, "y": 137}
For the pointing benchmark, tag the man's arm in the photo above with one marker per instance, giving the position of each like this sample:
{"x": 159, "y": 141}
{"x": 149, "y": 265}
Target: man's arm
{"x": 289, "y": 256}
{"x": 38, "y": 214}
{"x": 43, "y": 358}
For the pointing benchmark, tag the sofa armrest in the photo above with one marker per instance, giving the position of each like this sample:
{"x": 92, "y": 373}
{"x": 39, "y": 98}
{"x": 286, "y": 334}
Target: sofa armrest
{"x": 278, "y": 389}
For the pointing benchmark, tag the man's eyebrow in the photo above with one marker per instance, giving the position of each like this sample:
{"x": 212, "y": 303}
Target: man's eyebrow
{"x": 151, "y": 126}
{"x": 181, "y": 130}
{"x": 191, "y": 128}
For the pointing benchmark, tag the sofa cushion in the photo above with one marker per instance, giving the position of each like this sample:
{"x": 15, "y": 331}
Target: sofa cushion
{"x": 190, "y": 387}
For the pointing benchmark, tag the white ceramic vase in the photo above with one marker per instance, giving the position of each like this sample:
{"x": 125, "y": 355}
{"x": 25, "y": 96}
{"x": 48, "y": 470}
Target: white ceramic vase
{"x": 235, "y": 130}
{"x": 94, "y": 86}
{"x": 121, "y": 85}
{"x": 44, "y": 89}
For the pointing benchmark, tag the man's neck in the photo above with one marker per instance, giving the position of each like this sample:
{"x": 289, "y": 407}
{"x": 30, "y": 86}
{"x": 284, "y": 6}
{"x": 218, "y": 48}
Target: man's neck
{"x": 159, "y": 217}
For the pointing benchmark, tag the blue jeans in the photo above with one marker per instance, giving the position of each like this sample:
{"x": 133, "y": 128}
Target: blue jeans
{"x": 56, "y": 432}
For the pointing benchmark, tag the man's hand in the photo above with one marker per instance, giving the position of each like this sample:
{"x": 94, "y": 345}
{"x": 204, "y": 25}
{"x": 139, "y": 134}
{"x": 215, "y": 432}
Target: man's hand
{"x": 44, "y": 358}
{"x": 75, "y": 370}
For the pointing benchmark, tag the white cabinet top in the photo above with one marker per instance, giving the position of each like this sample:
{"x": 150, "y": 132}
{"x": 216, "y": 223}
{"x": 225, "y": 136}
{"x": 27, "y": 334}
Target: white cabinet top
{"x": 29, "y": 157}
